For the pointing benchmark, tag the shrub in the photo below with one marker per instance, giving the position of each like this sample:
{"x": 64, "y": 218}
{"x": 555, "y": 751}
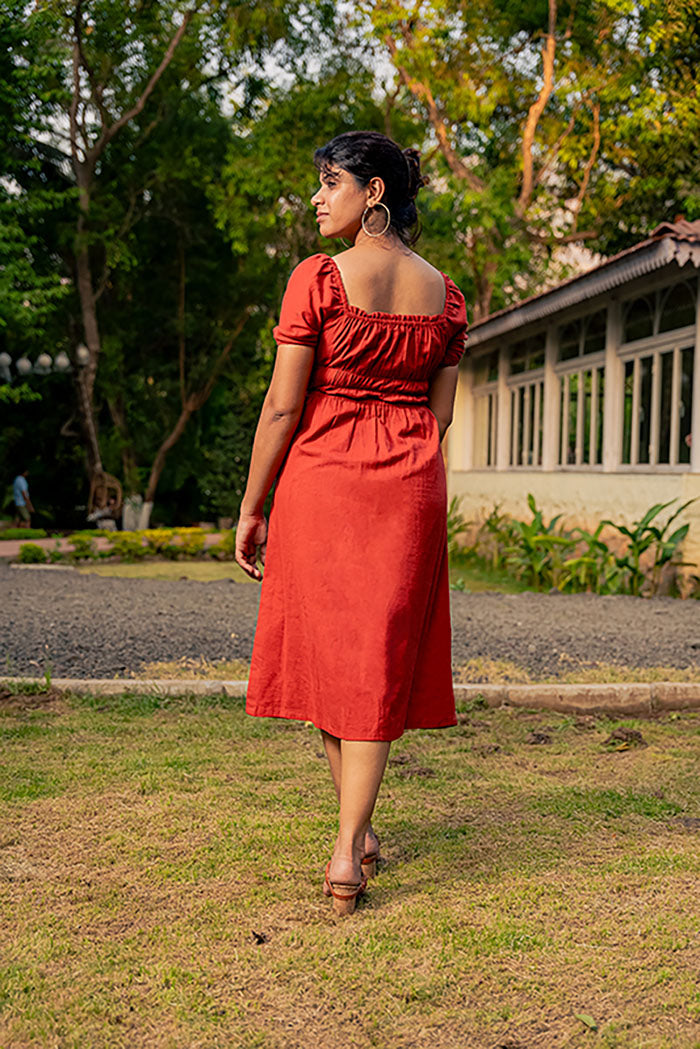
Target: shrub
{"x": 31, "y": 554}
{"x": 226, "y": 549}
{"x": 22, "y": 533}
{"x": 191, "y": 541}
{"x": 56, "y": 554}
{"x": 128, "y": 546}
{"x": 159, "y": 542}
{"x": 84, "y": 548}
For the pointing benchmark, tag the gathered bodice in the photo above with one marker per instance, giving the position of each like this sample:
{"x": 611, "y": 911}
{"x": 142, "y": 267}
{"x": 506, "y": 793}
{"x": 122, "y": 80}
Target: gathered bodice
{"x": 363, "y": 355}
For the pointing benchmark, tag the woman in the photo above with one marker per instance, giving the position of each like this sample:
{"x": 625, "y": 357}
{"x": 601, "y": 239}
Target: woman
{"x": 353, "y": 631}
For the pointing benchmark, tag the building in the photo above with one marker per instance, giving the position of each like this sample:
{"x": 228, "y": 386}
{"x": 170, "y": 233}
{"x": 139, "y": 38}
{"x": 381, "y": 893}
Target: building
{"x": 588, "y": 395}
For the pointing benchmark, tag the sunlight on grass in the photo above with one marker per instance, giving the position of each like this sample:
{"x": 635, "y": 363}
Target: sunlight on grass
{"x": 202, "y": 571}
{"x": 161, "y": 859}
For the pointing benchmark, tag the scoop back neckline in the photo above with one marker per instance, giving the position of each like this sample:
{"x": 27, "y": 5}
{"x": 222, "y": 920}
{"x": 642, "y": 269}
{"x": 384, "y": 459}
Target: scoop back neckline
{"x": 382, "y": 314}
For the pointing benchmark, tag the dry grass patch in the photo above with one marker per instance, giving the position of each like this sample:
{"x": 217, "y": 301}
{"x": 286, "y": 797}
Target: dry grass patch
{"x": 484, "y": 671}
{"x": 197, "y": 667}
{"x": 161, "y": 880}
{"x": 202, "y": 571}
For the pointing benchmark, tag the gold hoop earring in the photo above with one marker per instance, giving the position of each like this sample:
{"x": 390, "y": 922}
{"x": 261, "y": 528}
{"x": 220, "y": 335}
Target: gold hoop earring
{"x": 379, "y": 204}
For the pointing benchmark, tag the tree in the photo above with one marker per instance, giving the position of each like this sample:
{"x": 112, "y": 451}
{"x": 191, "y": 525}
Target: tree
{"x": 526, "y": 104}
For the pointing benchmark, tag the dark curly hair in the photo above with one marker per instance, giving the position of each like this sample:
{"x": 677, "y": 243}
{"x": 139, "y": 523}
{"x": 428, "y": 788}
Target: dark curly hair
{"x": 369, "y": 154}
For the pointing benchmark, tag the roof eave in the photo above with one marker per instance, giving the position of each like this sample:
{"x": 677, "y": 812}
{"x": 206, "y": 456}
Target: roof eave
{"x": 648, "y": 257}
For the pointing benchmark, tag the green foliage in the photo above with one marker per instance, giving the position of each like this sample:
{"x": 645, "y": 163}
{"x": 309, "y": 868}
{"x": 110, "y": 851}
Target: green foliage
{"x": 84, "y": 548}
{"x": 22, "y": 533}
{"x": 545, "y": 555}
{"x": 191, "y": 541}
{"x": 128, "y": 546}
{"x": 226, "y": 549}
{"x": 457, "y": 525}
{"x": 31, "y": 554}
{"x": 594, "y": 567}
{"x": 645, "y": 536}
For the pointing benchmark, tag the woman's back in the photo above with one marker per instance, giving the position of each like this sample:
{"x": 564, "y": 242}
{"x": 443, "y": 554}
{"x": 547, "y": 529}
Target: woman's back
{"x": 391, "y": 281}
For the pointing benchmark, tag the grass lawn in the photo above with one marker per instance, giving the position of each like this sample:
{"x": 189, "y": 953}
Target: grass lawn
{"x": 161, "y": 865}
{"x": 469, "y": 577}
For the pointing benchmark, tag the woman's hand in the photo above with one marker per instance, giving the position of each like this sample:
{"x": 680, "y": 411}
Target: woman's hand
{"x": 251, "y": 534}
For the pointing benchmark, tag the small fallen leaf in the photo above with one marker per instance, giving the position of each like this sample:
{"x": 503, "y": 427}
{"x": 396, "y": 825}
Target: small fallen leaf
{"x": 588, "y": 1020}
{"x": 259, "y": 937}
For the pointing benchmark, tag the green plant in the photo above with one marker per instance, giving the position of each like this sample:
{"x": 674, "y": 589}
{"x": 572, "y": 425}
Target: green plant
{"x": 226, "y": 549}
{"x": 159, "y": 542}
{"x": 536, "y": 551}
{"x": 457, "y": 525}
{"x": 128, "y": 546}
{"x": 498, "y": 531}
{"x": 31, "y": 554}
{"x": 22, "y": 533}
{"x": 643, "y": 536}
{"x": 56, "y": 554}
{"x": 594, "y": 568}
{"x": 84, "y": 548}
{"x": 191, "y": 541}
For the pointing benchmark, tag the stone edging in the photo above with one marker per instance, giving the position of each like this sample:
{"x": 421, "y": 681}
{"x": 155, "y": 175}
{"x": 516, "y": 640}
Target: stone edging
{"x": 633, "y": 699}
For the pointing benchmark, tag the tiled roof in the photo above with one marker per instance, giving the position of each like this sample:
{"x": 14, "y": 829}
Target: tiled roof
{"x": 670, "y": 242}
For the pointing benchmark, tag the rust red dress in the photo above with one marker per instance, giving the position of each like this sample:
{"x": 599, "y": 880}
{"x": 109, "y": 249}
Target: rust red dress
{"x": 353, "y": 630}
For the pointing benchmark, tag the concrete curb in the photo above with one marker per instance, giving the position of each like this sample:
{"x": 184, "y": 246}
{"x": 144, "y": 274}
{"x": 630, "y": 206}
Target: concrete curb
{"x": 629, "y": 699}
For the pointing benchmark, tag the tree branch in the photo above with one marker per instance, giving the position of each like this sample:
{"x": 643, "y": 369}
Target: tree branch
{"x": 420, "y": 90}
{"x": 589, "y": 163}
{"x": 536, "y": 110}
{"x": 109, "y": 132}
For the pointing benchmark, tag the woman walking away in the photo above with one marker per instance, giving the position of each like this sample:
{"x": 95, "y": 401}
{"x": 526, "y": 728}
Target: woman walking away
{"x": 353, "y": 631}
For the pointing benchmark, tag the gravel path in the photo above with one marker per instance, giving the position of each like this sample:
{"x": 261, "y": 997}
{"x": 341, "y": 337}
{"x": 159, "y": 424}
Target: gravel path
{"x": 89, "y": 626}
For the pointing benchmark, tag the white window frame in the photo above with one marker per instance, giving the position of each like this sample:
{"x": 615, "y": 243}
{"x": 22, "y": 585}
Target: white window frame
{"x": 532, "y": 382}
{"x": 655, "y": 346}
{"x": 563, "y": 371}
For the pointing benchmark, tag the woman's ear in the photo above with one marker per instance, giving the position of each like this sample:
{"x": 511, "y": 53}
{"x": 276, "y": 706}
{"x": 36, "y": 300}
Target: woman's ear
{"x": 375, "y": 191}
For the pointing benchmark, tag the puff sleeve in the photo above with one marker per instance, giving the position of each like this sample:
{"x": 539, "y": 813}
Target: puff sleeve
{"x": 456, "y": 311}
{"x": 301, "y": 314}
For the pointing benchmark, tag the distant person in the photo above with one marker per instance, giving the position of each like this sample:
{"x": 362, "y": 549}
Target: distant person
{"x": 23, "y": 504}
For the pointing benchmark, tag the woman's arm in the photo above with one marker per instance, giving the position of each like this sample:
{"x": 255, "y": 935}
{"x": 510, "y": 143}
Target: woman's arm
{"x": 441, "y": 396}
{"x": 281, "y": 410}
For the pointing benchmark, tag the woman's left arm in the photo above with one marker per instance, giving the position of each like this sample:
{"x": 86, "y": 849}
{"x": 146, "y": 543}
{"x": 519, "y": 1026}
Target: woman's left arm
{"x": 279, "y": 418}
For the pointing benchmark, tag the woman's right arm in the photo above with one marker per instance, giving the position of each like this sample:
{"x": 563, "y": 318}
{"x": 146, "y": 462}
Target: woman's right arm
{"x": 279, "y": 418}
{"x": 441, "y": 396}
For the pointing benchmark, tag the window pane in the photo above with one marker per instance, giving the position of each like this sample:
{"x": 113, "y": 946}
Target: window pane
{"x": 644, "y": 421}
{"x": 665, "y": 407}
{"x": 599, "y": 419}
{"x": 486, "y": 368}
{"x": 686, "y": 404}
{"x": 587, "y": 394}
{"x": 678, "y": 309}
{"x": 520, "y": 460}
{"x": 481, "y": 430}
{"x": 627, "y": 412}
{"x": 639, "y": 320}
{"x": 569, "y": 339}
{"x": 517, "y": 362}
{"x": 594, "y": 339}
{"x": 573, "y": 409}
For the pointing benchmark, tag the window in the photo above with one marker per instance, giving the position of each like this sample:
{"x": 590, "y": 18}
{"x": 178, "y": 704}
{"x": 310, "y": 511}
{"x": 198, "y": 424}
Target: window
{"x": 527, "y": 401}
{"x": 526, "y": 423}
{"x": 669, "y": 309}
{"x": 485, "y": 409}
{"x": 486, "y": 428}
{"x": 527, "y": 355}
{"x": 582, "y": 396}
{"x": 657, "y": 407}
{"x": 582, "y": 337}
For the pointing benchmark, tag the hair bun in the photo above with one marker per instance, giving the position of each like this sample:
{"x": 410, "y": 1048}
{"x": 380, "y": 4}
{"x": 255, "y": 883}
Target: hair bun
{"x": 415, "y": 178}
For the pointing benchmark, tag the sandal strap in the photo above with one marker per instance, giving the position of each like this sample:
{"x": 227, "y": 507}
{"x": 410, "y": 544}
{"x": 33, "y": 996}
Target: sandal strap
{"x": 343, "y": 896}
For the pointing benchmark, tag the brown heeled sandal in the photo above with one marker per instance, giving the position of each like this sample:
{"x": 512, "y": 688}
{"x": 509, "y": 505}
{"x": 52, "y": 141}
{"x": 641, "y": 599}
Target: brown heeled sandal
{"x": 369, "y": 864}
{"x": 344, "y": 895}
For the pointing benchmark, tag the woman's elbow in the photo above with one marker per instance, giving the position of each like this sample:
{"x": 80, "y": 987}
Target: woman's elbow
{"x": 282, "y": 411}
